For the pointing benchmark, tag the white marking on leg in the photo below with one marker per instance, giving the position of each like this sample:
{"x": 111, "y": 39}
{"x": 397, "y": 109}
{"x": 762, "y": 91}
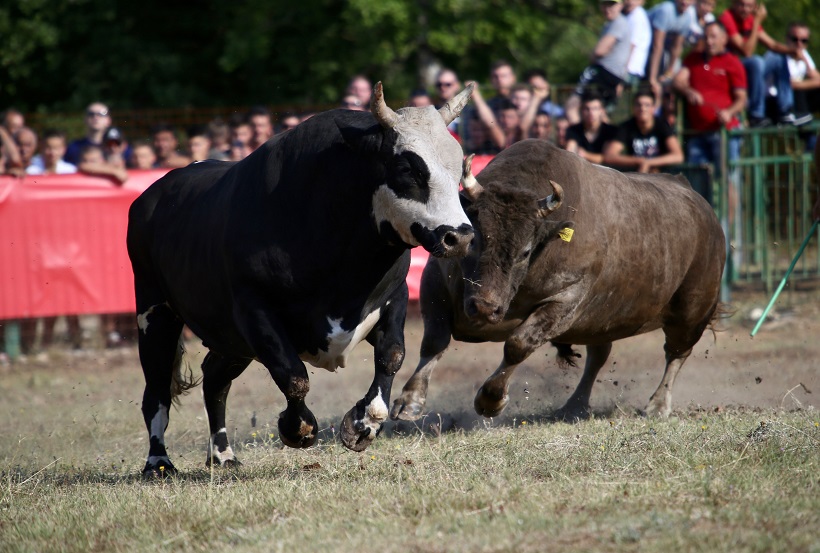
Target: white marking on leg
{"x": 142, "y": 319}
{"x": 221, "y": 456}
{"x": 159, "y": 423}
{"x": 375, "y": 413}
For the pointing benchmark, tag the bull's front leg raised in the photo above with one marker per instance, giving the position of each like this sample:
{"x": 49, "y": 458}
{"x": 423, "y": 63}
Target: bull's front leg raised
{"x": 266, "y": 335}
{"x": 544, "y": 324}
{"x": 364, "y": 421}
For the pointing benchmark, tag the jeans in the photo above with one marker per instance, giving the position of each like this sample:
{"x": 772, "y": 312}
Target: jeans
{"x": 771, "y": 68}
{"x": 705, "y": 148}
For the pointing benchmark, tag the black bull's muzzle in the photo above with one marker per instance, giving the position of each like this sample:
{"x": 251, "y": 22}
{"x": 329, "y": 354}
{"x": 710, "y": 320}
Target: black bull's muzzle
{"x": 444, "y": 240}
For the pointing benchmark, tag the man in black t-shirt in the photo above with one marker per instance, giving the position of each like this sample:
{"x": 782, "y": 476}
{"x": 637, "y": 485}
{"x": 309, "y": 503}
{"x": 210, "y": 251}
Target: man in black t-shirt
{"x": 643, "y": 143}
{"x": 588, "y": 138}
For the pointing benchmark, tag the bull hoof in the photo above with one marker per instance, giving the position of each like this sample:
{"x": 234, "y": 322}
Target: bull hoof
{"x": 489, "y": 404}
{"x": 406, "y": 409}
{"x": 657, "y": 409}
{"x": 571, "y": 414}
{"x": 159, "y": 469}
{"x": 361, "y": 424}
{"x": 298, "y": 431}
{"x": 214, "y": 461}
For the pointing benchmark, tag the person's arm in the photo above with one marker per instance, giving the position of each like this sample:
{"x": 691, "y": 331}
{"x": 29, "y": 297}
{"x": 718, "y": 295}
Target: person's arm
{"x": 672, "y": 157}
{"x": 777, "y": 47}
{"x": 658, "y": 41}
{"x": 748, "y": 46}
{"x": 739, "y": 104}
{"x": 119, "y": 174}
{"x": 681, "y": 84}
{"x": 604, "y": 47}
{"x": 488, "y": 117}
{"x": 674, "y": 56}
{"x": 613, "y": 156}
{"x": 572, "y": 146}
{"x": 538, "y": 96}
{"x": 811, "y": 81}
{"x": 12, "y": 152}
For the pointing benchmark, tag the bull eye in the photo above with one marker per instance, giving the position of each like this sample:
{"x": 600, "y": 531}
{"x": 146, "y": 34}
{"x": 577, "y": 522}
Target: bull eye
{"x": 525, "y": 254}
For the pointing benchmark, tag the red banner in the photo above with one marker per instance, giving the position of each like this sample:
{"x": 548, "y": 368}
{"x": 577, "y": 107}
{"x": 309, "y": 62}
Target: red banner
{"x": 62, "y": 244}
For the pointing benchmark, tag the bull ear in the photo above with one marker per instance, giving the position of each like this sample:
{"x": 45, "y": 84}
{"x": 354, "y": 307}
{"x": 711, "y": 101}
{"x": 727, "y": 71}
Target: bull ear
{"x": 552, "y": 202}
{"x": 451, "y": 109}
{"x": 471, "y": 187}
{"x": 386, "y": 117}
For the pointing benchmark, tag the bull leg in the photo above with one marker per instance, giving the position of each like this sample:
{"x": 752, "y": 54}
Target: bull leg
{"x": 159, "y": 352}
{"x": 410, "y": 404}
{"x": 217, "y": 374}
{"x": 267, "y": 337}
{"x": 690, "y": 314}
{"x": 543, "y": 325}
{"x": 660, "y": 404}
{"x": 436, "y": 313}
{"x": 362, "y": 424}
{"x": 577, "y": 406}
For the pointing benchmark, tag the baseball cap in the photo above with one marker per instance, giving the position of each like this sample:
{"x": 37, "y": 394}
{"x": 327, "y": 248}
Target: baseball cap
{"x": 113, "y": 134}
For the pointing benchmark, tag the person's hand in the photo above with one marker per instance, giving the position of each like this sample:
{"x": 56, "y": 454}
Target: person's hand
{"x": 693, "y": 97}
{"x": 657, "y": 89}
{"x": 476, "y": 89}
{"x": 760, "y": 12}
{"x": 724, "y": 116}
{"x": 644, "y": 166}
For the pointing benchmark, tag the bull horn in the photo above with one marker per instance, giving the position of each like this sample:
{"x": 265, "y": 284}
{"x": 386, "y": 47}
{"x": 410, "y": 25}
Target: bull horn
{"x": 471, "y": 186}
{"x": 552, "y": 202}
{"x": 451, "y": 109}
{"x": 386, "y": 117}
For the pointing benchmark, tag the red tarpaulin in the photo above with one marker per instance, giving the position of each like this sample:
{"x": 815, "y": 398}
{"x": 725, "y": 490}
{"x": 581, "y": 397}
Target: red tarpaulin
{"x": 62, "y": 244}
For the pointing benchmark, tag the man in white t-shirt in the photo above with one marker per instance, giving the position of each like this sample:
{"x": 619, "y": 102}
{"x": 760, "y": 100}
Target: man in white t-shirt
{"x": 802, "y": 70}
{"x": 641, "y": 32}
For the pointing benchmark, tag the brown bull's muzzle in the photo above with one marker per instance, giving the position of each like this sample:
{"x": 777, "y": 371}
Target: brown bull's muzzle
{"x": 479, "y": 308}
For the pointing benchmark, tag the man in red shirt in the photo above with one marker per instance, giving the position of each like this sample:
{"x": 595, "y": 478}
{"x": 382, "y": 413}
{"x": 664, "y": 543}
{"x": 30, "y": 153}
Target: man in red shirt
{"x": 744, "y": 24}
{"x": 714, "y": 85}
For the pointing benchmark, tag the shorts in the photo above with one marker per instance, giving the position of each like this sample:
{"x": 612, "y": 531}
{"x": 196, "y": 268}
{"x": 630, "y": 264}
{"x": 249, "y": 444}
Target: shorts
{"x": 599, "y": 79}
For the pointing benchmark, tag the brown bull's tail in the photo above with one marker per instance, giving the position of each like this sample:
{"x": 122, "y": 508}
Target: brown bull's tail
{"x": 183, "y": 378}
{"x": 722, "y": 312}
{"x": 566, "y": 356}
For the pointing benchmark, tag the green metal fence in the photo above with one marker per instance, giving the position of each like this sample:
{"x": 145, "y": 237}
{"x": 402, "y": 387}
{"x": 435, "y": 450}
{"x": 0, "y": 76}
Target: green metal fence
{"x": 764, "y": 201}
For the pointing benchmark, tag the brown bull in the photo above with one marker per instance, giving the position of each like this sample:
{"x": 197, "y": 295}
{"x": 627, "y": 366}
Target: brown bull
{"x": 599, "y": 257}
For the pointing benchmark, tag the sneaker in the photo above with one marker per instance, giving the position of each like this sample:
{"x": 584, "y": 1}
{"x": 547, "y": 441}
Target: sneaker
{"x": 786, "y": 119}
{"x": 801, "y": 119}
{"x": 759, "y": 122}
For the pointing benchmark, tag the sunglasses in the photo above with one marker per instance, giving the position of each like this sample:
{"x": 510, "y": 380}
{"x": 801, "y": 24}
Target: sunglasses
{"x": 102, "y": 113}
{"x": 798, "y": 39}
{"x": 444, "y": 85}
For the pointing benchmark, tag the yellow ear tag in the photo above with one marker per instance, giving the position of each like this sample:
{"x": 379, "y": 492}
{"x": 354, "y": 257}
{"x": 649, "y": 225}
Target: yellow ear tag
{"x": 566, "y": 234}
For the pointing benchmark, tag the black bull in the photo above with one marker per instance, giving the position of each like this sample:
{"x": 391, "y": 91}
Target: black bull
{"x": 647, "y": 252}
{"x": 294, "y": 254}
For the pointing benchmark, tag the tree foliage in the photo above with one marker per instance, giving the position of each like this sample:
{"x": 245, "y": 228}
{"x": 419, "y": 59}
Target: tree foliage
{"x": 61, "y": 54}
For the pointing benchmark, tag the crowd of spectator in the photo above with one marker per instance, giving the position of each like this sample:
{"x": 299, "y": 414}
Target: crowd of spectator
{"x": 674, "y": 49}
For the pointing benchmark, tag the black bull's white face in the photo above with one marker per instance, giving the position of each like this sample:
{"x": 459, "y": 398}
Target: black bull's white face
{"x": 419, "y": 200}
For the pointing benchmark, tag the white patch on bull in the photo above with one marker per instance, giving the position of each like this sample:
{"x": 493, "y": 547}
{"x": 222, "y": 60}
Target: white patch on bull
{"x": 375, "y": 413}
{"x": 341, "y": 342}
{"x": 142, "y": 319}
{"x": 221, "y": 456}
{"x": 159, "y": 423}
{"x": 423, "y": 132}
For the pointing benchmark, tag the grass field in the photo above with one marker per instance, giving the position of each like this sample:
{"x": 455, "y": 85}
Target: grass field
{"x": 737, "y": 468}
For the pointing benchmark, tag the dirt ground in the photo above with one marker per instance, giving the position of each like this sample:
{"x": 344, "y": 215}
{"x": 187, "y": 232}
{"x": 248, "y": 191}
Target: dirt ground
{"x": 776, "y": 369}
